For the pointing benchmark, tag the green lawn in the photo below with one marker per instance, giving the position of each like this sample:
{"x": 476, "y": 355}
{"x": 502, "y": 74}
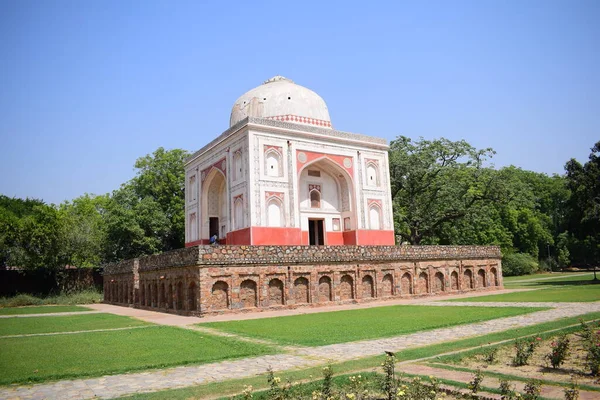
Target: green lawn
{"x": 41, "y": 310}
{"x": 233, "y": 386}
{"x": 97, "y": 353}
{"x": 567, "y": 293}
{"x": 510, "y": 279}
{"x": 351, "y": 325}
{"x": 70, "y": 323}
{"x": 550, "y": 281}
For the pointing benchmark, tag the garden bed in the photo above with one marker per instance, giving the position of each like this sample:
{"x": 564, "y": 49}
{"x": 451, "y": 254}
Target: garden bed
{"x": 575, "y": 363}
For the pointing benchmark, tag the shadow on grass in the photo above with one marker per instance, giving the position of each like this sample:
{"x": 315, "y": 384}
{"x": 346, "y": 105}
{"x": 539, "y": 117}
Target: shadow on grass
{"x": 582, "y": 282}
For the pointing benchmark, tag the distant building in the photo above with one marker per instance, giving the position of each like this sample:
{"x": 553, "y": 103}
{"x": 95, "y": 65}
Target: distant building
{"x": 281, "y": 175}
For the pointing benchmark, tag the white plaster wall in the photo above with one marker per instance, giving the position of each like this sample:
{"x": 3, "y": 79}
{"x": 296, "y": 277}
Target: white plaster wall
{"x": 330, "y": 191}
{"x": 223, "y": 149}
{"x": 254, "y": 182}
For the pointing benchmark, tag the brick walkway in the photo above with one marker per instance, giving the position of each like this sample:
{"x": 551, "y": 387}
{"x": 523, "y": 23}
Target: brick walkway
{"x": 293, "y": 358}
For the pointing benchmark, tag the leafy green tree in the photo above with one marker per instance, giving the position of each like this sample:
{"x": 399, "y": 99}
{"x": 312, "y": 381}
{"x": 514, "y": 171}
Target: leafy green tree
{"x": 146, "y": 215}
{"x": 584, "y": 207}
{"x": 31, "y": 234}
{"x": 436, "y": 182}
{"x": 84, "y": 236}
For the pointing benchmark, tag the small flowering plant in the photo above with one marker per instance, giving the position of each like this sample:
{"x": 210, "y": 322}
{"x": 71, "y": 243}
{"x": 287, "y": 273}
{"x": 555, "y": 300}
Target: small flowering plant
{"x": 559, "y": 351}
{"x": 524, "y": 350}
{"x": 593, "y": 353}
{"x": 247, "y": 393}
{"x": 356, "y": 389}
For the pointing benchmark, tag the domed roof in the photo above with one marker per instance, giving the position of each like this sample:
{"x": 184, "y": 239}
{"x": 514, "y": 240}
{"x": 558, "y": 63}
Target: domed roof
{"x": 281, "y": 99}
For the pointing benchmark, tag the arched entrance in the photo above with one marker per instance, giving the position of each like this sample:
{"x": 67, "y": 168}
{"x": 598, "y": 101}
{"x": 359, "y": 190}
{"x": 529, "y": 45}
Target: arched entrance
{"x": 215, "y": 215}
{"x": 325, "y": 194}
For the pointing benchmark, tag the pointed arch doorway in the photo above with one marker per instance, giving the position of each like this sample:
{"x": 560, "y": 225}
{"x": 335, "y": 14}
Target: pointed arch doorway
{"x": 214, "y": 205}
{"x": 326, "y": 197}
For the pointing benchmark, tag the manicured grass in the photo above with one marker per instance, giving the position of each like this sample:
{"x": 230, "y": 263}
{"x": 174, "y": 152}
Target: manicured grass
{"x": 97, "y": 353}
{"x": 233, "y": 386}
{"x": 371, "y": 323}
{"x": 549, "y": 282}
{"x": 71, "y": 323}
{"x": 41, "y": 310}
{"x": 567, "y": 293}
{"x": 510, "y": 279}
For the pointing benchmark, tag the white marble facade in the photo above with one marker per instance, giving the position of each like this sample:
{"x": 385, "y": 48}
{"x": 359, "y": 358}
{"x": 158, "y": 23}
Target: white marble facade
{"x": 282, "y": 175}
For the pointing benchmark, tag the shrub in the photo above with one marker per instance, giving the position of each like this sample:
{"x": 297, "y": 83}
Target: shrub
{"x": 21, "y": 300}
{"x": 557, "y": 355}
{"x": 475, "y": 385}
{"x": 275, "y": 391}
{"x": 247, "y": 393}
{"x": 389, "y": 384}
{"x": 357, "y": 389}
{"x": 572, "y": 391}
{"x": 549, "y": 264}
{"x": 533, "y": 388}
{"x": 89, "y": 296}
{"x": 525, "y": 349}
{"x": 507, "y": 391}
{"x": 417, "y": 389}
{"x": 593, "y": 354}
{"x": 84, "y": 297}
{"x": 490, "y": 355}
{"x": 516, "y": 264}
{"x": 327, "y": 389}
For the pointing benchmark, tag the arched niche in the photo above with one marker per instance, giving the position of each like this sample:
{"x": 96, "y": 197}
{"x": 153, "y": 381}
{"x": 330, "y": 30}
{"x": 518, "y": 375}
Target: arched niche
{"x": 273, "y": 163}
{"x": 237, "y": 166}
{"x": 238, "y": 213}
{"x": 214, "y": 205}
{"x": 372, "y": 172}
{"x": 275, "y": 216}
{"x": 375, "y": 217}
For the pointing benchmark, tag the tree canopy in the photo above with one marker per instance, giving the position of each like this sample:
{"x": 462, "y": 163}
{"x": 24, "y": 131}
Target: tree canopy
{"x": 443, "y": 192}
{"x": 144, "y": 216}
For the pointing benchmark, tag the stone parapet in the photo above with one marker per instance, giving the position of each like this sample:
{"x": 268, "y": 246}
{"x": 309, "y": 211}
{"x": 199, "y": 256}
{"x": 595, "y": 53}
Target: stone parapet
{"x": 174, "y": 258}
{"x": 121, "y": 267}
{"x": 294, "y": 255}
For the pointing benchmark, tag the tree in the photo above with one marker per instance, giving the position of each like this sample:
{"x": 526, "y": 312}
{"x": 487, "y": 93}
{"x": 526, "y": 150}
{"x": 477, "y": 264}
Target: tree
{"x": 146, "y": 215}
{"x": 30, "y": 234}
{"x": 84, "y": 236}
{"x": 436, "y": 182}
{"x": 584, "y": 207}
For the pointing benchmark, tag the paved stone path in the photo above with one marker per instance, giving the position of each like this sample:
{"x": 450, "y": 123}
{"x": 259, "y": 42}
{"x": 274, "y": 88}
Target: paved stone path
{"x": 294, "y": 358}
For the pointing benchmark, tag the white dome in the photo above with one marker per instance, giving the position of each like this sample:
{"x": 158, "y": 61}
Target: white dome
{"x": 281, "y": 99}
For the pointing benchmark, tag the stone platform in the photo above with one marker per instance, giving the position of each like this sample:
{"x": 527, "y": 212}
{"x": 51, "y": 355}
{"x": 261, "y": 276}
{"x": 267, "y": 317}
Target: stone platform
{"x": 208, "y": 280}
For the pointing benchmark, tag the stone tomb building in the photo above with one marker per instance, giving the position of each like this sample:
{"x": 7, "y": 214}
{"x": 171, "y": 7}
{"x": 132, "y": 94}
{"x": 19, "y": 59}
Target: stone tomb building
{"x": 204, "y": 280}
{"x": 281, "y": 175}
{"x": 303, "y": 215}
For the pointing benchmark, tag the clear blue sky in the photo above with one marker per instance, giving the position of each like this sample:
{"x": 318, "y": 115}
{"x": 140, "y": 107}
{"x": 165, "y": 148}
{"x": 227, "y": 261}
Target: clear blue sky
{"x": 86, "y": 87}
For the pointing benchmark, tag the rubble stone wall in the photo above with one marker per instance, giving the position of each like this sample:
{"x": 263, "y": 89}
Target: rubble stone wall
{"x": 206, "y": 280}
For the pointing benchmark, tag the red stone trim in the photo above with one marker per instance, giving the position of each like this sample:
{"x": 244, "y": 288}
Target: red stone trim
{"x": 279, "y": 195}
{"x": 312, "y": 157}
{"x": 221, "y": 165}
{"x": 376, "y": 202}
